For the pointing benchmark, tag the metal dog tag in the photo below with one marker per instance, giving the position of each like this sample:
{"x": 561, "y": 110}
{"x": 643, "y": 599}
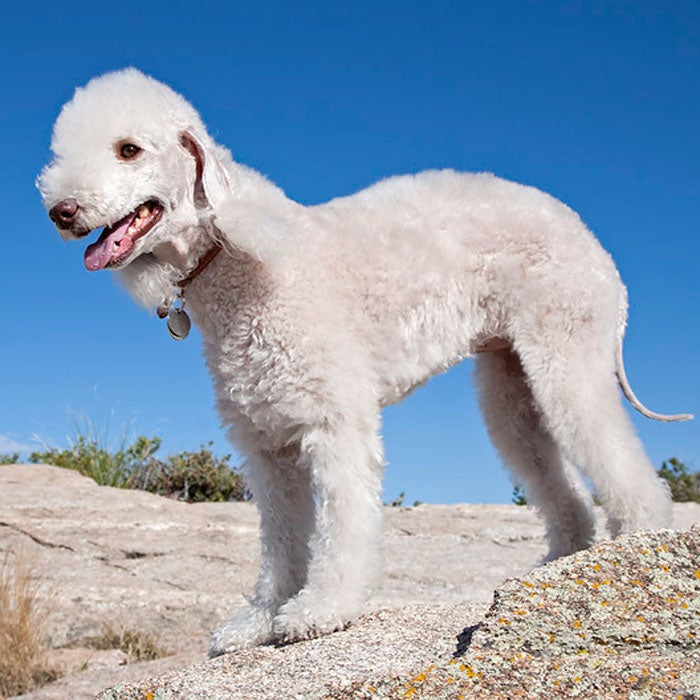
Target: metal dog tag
{"x": 179, "y": 324}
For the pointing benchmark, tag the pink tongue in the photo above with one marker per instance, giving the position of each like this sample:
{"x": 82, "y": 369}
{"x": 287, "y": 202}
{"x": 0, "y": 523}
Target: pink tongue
{"x": 99, "y": 254}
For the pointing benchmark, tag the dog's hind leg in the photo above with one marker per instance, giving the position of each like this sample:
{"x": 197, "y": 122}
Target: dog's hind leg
{"x": 574, "y": 384}
{"x": 281, "y": 488}
{"x": 345, "y": 462}
{"x": 517, "y": 431}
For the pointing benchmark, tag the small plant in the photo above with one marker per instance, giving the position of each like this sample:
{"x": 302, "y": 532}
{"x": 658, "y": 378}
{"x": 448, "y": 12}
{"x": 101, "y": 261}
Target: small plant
{"x": 138, "y": 646}
{"x": 518, "y": 496}
{"x": 398, "y": 501}
{"x": 9, "y": 458}
{"x": 685, "y": 486}
{"x": 22, "y": 630}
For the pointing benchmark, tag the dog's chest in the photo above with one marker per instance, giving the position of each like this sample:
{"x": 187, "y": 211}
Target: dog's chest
{"x": 258, "y": 365}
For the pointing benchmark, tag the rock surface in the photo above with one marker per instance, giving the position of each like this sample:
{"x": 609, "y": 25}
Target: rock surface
{"x": 175, "y": 570}
{"x": 620, "y": 620}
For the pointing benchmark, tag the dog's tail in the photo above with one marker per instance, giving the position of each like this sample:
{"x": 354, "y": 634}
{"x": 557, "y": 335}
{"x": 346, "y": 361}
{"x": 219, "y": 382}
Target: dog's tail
{"x": 622, "y": 376}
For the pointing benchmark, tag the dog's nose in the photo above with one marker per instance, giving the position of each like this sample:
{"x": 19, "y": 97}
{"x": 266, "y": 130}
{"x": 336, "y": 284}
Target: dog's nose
{"x": 64, "y": 213}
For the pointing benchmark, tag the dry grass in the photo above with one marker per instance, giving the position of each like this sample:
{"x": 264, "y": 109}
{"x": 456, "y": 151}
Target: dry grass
{"x": 22, "y": 629}
{"x": 138, "y": 646}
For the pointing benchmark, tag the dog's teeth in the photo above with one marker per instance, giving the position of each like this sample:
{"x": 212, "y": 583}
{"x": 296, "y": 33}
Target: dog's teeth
{"x": 144, "y": 211}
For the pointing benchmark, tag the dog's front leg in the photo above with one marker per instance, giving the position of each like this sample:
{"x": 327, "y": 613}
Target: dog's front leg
{"x": 281, "y": 489}
{"x": 345, "y": 464}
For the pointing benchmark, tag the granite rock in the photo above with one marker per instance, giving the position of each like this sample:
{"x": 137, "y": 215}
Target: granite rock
{"x": 173, "y": 571}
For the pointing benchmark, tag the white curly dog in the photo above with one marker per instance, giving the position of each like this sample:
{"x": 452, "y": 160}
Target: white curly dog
{"x": 314, "y": 318}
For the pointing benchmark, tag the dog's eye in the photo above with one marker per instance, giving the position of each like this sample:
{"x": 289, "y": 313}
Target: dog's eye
{"x": 127, "y": 151}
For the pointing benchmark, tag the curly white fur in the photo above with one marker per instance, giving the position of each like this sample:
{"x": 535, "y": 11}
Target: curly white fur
{"x": 317, "y": 317}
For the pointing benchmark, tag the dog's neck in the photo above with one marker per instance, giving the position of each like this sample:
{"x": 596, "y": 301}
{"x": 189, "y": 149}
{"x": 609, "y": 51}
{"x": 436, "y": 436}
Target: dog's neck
{"x": 184, "y": 252}
{"x": 259, "y": 223}
{"x": 155, "y": 277}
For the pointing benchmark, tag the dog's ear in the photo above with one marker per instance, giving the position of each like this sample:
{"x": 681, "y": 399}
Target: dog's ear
{"x": 246, "y": 225}
{"x": 211, "y": 186}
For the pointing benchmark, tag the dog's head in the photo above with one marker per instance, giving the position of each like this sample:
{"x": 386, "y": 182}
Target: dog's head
{"x": 133, "y": 157}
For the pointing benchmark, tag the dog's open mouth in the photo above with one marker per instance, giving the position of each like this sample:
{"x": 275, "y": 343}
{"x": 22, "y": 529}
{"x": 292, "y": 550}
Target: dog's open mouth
{"x": 117, "y": 241}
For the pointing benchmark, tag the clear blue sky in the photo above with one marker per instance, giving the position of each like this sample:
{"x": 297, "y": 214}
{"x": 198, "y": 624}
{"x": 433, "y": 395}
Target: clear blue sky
{"x": 596, "y": 102}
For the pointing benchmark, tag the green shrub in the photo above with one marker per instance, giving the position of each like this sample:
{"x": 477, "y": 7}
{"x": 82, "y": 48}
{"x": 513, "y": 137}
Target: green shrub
{"x": 9, "y": 458}
{"x": 684, "y": 485}
{"x": 188, "y": 476}
{"x": 88, "y": 456}
{"x": 191, "y": 476}
{"x": 518, "y": 497}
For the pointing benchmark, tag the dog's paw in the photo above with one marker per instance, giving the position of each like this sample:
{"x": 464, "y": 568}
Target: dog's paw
{"x": 303, "y": 617}
{"x": 247, "y": 628}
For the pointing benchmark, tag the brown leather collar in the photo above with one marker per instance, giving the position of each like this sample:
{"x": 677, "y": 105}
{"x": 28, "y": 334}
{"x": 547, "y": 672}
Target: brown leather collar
{"x": 201, "y": 266}
{"x": 204, "y": 262}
